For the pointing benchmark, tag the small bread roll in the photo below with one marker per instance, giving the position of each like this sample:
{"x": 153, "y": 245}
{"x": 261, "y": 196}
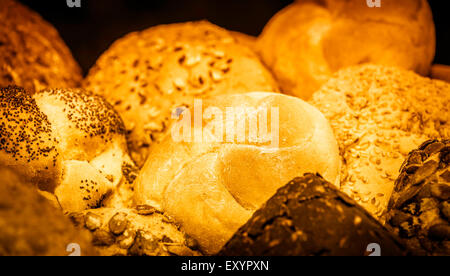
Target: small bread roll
{"x": 305, "y": 43}
{"x": 32, "y": 54}
{"x": 146, "y": 74}
{"x": 68, "y": 142}
{"x": 440, "y": 72}
{"x": 310, "y": 217}
{"x": 30, "y": 226}
{"x": 379, "y": 114}
{"x": 419, "y": 209}
{"x": 213, "y": 184}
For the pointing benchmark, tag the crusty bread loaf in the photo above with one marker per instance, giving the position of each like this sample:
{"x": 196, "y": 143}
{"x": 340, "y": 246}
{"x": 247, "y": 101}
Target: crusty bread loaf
{"x": 311, "y": 39}
{"x": 310, "y": 217}
{"x": 32, "y": 54}
{"x": 419, "y": 209}
{"x": 31, "y": 226}
{"x": 379, "y": 114}
{"x": 211, "y": 187}
{"x": 146, "y": 74}
{"x": 68, "y": 142}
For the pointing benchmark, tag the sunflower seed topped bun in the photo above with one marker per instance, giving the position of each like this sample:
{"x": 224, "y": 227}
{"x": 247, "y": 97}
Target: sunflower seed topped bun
{"x": 379, "y": 114}
{"x": 32, "y": 54}
{"x": 68, "y": 142}
{"x": 31, "y": 226}
{"x": 311, "y": 217}
{"x": 146, "y": 74}
{"x": 419, "y": 209}
{"x": 305, "y": 43}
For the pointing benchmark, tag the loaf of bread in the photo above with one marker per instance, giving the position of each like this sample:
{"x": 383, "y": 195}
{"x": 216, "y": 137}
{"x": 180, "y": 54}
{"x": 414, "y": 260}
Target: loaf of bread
{"x": 379, "y": 114}
{"x": 70, "y": 143}
{"x": 32, "y": 54}
{"x": 146, "y": 74}
{"x": 212, "y": 185}
{"x": 30, "y": 226}
{"x": 311, "y": 217}
{"x": 419, "y": 209}
{"x": 311, "y": 39}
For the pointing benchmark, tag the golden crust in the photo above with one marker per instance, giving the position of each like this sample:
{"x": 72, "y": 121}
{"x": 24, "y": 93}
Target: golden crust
{"x": 305, "y": 43}
{"x": 378, "y": 115}
{"x": 212, "y": 188}
{"x": 32, "y": 54}
{"x": 146, "y": 74}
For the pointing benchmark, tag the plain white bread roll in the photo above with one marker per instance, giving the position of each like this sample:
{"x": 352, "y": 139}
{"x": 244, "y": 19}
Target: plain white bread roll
{"x": 69, "y": 143}
{"x": 211, "y": 188}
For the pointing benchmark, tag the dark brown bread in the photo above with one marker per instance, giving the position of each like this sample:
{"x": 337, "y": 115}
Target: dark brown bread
{"x": 420, "y": 206}
{"x": 309, "y": 216}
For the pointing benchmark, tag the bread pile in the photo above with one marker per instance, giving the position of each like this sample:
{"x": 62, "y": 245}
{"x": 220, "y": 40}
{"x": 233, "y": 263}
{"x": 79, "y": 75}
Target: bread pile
{"x": 179, "y": 142}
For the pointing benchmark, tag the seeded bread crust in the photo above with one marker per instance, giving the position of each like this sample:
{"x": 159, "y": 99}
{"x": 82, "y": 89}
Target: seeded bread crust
{"x": 379, "y": 114}
{"x": 147, "y": 74}
{"x": 32, "y": 54}
{"x": 419, "y": 209}
{"x": 309, "y": 216}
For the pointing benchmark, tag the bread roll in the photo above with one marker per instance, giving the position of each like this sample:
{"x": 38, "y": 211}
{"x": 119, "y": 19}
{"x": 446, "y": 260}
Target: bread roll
{"x": 68, "y": 142}
{"x": 419, "y": 209}
{"x": 310, "y": 217}
{"x": 309, "y": 40}
{"x": 32, "y": 54}
{"x": 379, "y": 114}
{"x": 212, "y": 185}
{"x": 30, "y": 226}
{"x": 146, "y": 74}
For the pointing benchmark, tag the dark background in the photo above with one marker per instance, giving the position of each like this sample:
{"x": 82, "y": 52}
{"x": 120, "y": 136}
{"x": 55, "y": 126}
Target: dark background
{"x": 89, "y": 30}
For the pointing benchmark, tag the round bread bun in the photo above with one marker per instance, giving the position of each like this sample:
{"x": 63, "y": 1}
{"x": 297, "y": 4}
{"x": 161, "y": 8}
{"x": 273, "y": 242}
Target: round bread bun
{"x": 32, "y": 54}
{"x": 68, "y": 142}
{"x": 211, "y": 185}
{"x": 419, "y": 209}
{"x": 311, "y": 39}
{"x": 310, "y": 217}
{"x": 31, "y": 226}
{"x": 379, "y": 114}
{"x": 146, "y": 74}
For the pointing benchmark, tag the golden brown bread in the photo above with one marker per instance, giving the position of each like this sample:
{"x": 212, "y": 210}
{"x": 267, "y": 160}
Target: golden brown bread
{"x": 146, "y": 74}
{"x": 440, "y": 72}
{"x": 379, "y": 114}
{"x": 31, "y": 226}
{"x": 68, "y": 142}
{"x": 32, "y": 54}
{"x": 305, "y": 43}
{"x": 212, "y": 187}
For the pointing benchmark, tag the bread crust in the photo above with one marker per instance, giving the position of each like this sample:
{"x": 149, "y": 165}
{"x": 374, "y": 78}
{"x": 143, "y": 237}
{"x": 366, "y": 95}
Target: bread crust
{"x": 211, "y": 188}
{"x": 379, "y": 114}
{"x": 311, "y": 217}
{"x": 146, "y": 74}
{"x": 308, "y": 41}
{"x": 32, "y": 54}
